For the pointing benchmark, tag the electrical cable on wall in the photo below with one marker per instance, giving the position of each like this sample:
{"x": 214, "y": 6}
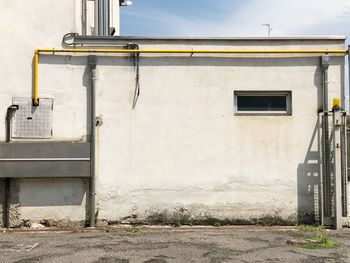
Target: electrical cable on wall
{"x": 137, "y": 80}
{"x": 68, "y": 37}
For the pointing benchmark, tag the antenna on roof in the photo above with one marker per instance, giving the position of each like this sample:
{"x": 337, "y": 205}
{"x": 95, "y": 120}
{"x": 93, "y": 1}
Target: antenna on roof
{"x": 269, "y": 29}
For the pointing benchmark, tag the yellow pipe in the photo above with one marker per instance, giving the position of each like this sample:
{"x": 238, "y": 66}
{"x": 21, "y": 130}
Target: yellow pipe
{"x": 160, "y": 51}
{"x": 36, "y": 79}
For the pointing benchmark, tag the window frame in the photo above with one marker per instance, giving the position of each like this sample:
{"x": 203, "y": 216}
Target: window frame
{"x": 286, "y": 93}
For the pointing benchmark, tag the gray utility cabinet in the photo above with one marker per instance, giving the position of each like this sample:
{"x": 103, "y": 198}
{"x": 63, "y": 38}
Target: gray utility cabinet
{"x": 44, "y": 159}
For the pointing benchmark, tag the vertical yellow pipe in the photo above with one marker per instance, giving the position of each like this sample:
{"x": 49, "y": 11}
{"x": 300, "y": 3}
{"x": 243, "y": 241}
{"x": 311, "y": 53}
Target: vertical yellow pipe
{"x": 36, "y": 78}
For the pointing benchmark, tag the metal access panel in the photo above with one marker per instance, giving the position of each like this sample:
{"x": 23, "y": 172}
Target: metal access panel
{"x": 32, "y": 122}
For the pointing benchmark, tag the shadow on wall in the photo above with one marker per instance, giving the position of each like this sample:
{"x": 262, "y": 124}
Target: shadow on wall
{"x": 2, "y": 195}
{"x": 309, "y": 187}
{"x": 309, "y": 172}
{"x": 52, "y": 192}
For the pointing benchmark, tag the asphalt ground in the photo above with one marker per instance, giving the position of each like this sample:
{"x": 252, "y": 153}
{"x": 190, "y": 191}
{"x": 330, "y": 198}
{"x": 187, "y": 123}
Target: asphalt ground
{"x": 166, "y": 244}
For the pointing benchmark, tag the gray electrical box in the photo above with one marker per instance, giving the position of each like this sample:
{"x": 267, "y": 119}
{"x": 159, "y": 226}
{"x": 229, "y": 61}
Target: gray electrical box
{"x": 32, "y": 122}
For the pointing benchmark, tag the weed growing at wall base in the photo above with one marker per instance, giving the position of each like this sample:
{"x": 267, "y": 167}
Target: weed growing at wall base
{"x": 175, "y": 222}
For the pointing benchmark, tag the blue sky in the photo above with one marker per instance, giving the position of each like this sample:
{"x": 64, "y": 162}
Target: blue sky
{"x": 236, "y": 17}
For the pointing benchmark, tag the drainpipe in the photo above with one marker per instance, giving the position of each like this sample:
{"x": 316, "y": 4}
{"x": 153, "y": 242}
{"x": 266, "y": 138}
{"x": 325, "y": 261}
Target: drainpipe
{"x": 102, "y": 17}
{"x": 92, "y": 64}
{"x": 9, "y": 114}
{"x": 327, "y": 199}
{"x": 349, "y": 77}
{"x": 325, "y": 66}
{"x": 84, "y": 17}
{"x": 6, "y": 213}
{"x": 6, "y": 207}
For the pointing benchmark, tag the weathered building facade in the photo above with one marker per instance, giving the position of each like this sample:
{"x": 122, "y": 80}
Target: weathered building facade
{"x": 228, "y": 136}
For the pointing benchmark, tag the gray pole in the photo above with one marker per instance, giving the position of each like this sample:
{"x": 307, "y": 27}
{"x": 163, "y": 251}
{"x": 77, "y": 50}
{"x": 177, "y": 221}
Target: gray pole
{"x": 326, "y": 171}
{"x": 6, "y": 207}
{"x": 102, "y": 17}
{"x": 106, "y": 21}
{"x": 349, "y": 77}
{"x": 92, "y": 65}
{"x": 83, "y": 17}
{"x": 337, "y": 123}
{"x": 325, "y": 66}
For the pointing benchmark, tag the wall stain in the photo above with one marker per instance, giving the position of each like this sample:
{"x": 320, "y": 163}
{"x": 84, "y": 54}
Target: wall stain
{"x": 186, "y": 217}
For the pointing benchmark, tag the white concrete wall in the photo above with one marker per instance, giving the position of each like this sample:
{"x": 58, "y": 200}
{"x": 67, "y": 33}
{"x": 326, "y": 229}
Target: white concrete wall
{"x": 181, "y": 150}
{"x": 182, "y": 146}
{"x": 24, "y": 26}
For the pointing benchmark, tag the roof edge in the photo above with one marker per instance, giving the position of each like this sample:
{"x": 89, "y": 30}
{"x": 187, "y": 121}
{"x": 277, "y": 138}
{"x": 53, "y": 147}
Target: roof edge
{"x": 286, "y": 38}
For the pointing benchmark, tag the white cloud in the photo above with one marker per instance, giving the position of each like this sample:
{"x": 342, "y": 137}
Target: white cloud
{"x": 244, "y": 18}
{"x": 288, "y": 17}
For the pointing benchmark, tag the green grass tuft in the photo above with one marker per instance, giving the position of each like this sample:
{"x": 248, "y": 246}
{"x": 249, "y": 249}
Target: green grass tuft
{"x": 175, "y": 222}
{"x": 135, "y": 230}
{"x": 310, "y": 228}
{"x": 319, "y": 234}
{"x": 329, "y": 244}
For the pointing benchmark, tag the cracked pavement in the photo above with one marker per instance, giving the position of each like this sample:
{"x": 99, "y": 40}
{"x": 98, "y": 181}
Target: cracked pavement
{"x": 167, "y": 245}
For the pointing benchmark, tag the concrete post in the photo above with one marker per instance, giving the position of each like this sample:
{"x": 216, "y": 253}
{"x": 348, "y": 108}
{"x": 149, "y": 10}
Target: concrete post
{"x": 337, "y": 122}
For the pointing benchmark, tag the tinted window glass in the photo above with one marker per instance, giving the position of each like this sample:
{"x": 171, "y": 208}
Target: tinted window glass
{"x": 261, "y": 103}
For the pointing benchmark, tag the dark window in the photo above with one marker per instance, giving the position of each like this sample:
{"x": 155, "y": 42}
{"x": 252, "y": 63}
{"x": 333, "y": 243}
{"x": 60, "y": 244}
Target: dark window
{"x": 263, "y": 102}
